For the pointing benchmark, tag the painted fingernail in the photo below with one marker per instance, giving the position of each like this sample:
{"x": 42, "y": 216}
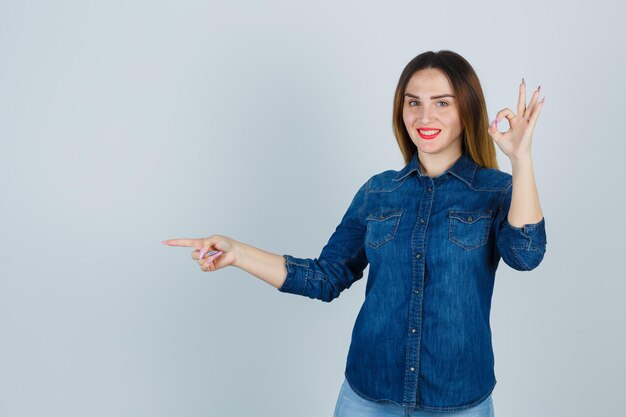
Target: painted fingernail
{"x": 539, "y": 88}
{"x": 202, "y": 252}
{"x": 523, "y": 82}
{"x": 542, "y": 100}
{"x": 209, "y": 260}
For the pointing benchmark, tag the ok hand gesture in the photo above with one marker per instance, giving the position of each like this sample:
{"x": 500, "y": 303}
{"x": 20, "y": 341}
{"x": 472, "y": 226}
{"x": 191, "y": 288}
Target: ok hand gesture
{"x": 515, "y": 142}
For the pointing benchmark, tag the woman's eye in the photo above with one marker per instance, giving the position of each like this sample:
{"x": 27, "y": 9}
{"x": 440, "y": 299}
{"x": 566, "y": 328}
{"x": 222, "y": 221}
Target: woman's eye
{"x": 414, "y": 103}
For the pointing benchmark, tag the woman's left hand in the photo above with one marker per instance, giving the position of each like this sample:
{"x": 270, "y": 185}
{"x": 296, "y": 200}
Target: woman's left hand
{"x": 515, "y": 142}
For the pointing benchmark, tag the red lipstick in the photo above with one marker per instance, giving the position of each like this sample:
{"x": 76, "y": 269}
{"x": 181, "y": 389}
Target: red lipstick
{"x": 426, "y": 129}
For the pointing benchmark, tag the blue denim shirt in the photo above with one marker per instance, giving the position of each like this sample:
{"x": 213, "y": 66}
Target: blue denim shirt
{"x": 422, "y": 337}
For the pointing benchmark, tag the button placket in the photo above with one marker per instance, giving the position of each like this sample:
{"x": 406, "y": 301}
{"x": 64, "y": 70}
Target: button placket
{"x": 415, "y": 319}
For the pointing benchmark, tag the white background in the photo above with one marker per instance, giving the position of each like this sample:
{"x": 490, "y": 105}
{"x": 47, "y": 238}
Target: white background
{"x": 124, "y": 123}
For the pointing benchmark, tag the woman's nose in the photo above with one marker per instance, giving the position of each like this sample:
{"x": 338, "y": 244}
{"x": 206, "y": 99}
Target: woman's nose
{"x": 425, "y": 115}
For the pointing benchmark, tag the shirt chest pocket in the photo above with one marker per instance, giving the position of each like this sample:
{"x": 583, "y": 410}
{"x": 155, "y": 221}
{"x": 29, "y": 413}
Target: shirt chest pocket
{"x": 382, "y": 225}
{"x": 469, "y": 229}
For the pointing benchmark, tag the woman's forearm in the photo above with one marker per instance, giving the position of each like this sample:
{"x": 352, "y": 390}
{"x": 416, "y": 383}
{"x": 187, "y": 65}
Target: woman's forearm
{"x": 525, "y": 208}
{"x": 267, "y": 266}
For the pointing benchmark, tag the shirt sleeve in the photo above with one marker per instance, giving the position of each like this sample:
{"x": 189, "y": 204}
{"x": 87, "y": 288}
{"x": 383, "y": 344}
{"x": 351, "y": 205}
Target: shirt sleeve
{"x": 522, "y": 248}
{"x": 340, "y": 263}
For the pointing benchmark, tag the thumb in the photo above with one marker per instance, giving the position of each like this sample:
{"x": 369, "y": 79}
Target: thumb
{"x": 207, "y": 244}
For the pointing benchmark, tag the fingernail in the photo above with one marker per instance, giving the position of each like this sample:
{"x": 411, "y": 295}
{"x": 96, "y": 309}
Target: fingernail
{"x": 202, "y": 252}
{"x": 543, "y": 99}
{"x": 209, "y": 260}
{"x": 218, "y": 253}
{"x": 523, "y": 82}
{"x": 539, "y": 88}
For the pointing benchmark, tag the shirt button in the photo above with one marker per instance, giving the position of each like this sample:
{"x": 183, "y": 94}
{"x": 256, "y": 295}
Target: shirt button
{"x": 413, "y": 330}
{"x": 422, "y": 221}
{"x": 430, "y": 189}
{"x": 417, "y": 291}
{"x": 419, "y": 255}
{"x": 412, "y": 369}
{"x": 469, "y": 219}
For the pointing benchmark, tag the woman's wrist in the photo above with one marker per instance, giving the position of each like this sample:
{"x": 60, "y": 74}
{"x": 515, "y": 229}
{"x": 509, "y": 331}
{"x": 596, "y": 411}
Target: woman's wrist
{"x": 239, "y": 253}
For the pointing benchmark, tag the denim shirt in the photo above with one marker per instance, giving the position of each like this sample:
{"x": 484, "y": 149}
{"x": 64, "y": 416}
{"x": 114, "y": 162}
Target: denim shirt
{"x": 422, "y": 338}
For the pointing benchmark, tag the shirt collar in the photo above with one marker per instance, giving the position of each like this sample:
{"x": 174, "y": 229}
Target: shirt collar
{"x": 463, "y": 168}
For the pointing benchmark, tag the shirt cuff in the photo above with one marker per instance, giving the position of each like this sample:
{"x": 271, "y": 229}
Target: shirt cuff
{"x": 295, "y": 281}
{"x": 528, "y": 237}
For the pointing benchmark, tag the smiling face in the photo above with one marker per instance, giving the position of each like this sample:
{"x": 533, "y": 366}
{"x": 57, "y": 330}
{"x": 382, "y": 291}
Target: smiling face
{"x": 431, "y": 115}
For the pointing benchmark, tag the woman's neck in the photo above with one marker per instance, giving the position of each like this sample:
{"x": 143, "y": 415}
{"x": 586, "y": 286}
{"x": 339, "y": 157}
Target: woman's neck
{"x": 435, "y": 165}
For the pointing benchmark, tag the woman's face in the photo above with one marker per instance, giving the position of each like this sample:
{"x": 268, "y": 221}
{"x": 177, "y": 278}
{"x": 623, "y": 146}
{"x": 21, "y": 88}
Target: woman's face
{"x": 429, "y": 104}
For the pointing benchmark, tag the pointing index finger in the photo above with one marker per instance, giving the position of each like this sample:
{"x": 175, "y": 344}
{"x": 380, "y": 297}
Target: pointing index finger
{"x": 182, "y": 242}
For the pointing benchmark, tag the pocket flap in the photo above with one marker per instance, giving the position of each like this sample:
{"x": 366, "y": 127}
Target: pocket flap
{"x": 470, "y": 217}
{"x": 384, "y": 214}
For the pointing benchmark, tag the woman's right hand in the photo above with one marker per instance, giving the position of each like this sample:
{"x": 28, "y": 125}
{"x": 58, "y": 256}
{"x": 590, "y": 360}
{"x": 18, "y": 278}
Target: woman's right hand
{"x": 223, "y": 246}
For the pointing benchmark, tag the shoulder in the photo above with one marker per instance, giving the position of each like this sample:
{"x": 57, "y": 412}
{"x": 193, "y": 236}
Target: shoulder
{"x": 491, "y": 179}
{"x": 384, "y": 181}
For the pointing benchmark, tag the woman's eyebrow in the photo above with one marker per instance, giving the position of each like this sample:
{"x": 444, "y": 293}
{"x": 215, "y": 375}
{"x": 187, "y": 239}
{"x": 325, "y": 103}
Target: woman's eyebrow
{"x": 431, "y": 97}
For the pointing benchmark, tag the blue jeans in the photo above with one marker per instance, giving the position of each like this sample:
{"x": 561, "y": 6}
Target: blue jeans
{"x": 350, "y": 404}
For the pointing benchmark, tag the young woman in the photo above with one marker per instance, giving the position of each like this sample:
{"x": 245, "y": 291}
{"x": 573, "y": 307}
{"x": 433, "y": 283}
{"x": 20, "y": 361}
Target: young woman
{"x": 433, "y": 234}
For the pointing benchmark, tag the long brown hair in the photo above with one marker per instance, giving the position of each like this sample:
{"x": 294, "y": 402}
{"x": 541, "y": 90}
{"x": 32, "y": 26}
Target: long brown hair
{"x": 472, "y": 108}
